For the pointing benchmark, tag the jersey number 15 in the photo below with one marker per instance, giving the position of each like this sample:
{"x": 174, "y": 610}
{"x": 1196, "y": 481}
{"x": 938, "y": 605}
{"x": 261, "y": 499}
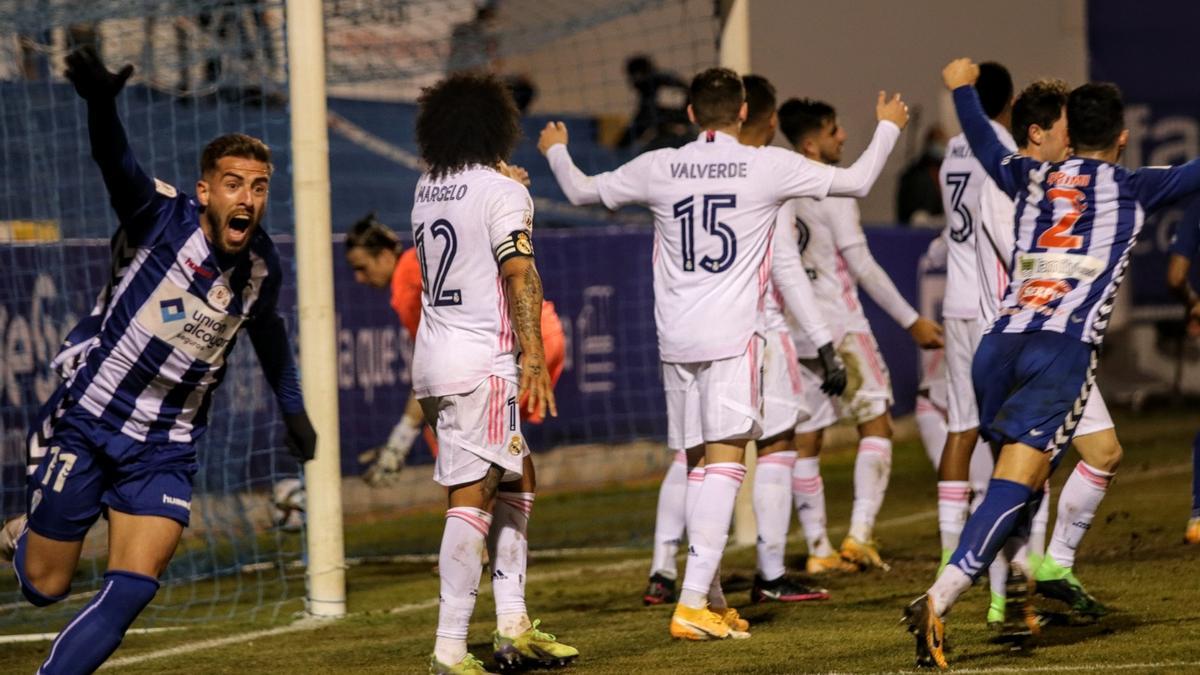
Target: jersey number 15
{"x": 685, "y": 214}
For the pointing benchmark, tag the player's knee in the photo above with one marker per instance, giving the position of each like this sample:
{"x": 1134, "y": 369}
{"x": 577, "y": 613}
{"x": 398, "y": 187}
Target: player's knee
{"x": 1107, "y": 458}
{"x": 131, "y": 591}
{"x": 40, "y": 586}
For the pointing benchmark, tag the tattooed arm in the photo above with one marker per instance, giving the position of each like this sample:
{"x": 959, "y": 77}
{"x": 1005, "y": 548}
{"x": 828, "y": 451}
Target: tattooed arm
{"x": 523, "y": 287}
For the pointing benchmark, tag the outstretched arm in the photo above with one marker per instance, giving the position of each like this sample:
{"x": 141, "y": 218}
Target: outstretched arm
{"x": 579, "y": 188}
{"x": 857, "y": 179}
{"x": 523, "y": 288}
{"x": 959, "y": 76}
{"x": 129, "y": 187}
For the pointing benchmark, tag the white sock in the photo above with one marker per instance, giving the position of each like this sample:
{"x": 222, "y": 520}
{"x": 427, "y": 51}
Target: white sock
{"x": 1037, "y": 529}
{"x": 1077, "y": 504}
{"x": 773, "y": 510}
{"x": 708, "y": 529}
{"x": 509, "y": 550}
{"x": 998, "y": 574}
{"x": 671, "y": 518}
{"x": 954, "y": 502}
{"x": 945, "y": 591}
{"x": 403, "y": 435}
{"x": 460, "y": 564}
{"x": 872, "y": 469}
{"x": 808, "y": 490}
{"x": 931, "y": 425}
{"x": 980, "y": 472}
{"x": 695, "y": 479}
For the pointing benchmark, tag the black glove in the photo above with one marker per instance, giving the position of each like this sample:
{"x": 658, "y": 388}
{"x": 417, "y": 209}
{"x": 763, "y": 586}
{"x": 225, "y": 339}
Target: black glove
{"x": 835, "y": 370}
{"x": 301, "y": 437}
{"x": 91, "y": 78}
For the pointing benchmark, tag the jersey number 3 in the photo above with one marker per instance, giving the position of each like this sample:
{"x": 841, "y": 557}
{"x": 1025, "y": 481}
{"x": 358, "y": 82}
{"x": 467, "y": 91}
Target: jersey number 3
{"x": 957, "y": 182}
{"x": 684, "y": 213}
{"x": 1057, "y": 236}
{"x": 438, "y": 294}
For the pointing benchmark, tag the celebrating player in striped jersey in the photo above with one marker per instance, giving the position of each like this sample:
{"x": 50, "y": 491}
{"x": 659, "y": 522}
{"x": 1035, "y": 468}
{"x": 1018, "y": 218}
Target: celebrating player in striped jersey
{"x": 782, "y": 409}
{"x": 1039, "y": 124}
{"x": 962, "y": 180}
{"x": 122, "y": 428}
{"x": 478, "y": 351}
{"x": 836, "y": 257}
{"x": 1185, "y": 247}
{"x": 715, "y": 203}
{"x": 1075, "y": 224}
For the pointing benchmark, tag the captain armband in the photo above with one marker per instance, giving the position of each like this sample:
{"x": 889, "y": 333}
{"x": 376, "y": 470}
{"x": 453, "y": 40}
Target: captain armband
{"x": 516, "y": 244}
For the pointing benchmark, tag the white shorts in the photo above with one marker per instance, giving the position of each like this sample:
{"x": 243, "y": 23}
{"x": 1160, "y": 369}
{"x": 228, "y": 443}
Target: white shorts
{"x": 713, "y": 401}
{"x": 475, "y": 431}
{"x": 1095, "y": 415}
{"x": 962, "y": 339}
{"x": 868, "y": 391}
{"x": 822, "y": 412}
{"x": 783, "y": 386}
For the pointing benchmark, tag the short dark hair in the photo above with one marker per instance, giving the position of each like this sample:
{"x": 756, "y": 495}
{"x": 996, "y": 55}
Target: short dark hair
{"x": 716, "y": 96}
{"x": 234, "y": 145}
{"x": 1040, "y": 103}
{"x": 799, "y": 117}
{"x": 1095, "y": 116}
{"x": 467, "y": 118}
{"x": 995, "y": 87}
{"x": 760, "y": 98}
{"x": 639, "y": 64}
{"x": 373, "y": 236}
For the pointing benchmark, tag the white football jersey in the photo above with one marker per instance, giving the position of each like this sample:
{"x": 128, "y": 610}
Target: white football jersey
{"x": 961, "y": 178}
{"x": 994, "y": 247}
{"x": 714, "y": 203}
{"x": 458, "y": 223}
{"x": 827, "y": 226}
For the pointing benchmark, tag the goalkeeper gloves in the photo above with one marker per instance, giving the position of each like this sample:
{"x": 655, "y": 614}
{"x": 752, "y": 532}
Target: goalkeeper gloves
{"x": 92, "y": 80}
{"x": 301, "y": 437}
{"x": 835, "y": 370}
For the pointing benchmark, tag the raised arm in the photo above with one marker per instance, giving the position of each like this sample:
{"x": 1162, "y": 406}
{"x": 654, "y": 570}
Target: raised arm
{"x": 857, "y": 179}
{"x": 959, "y": 76}
{"x": 268, "y": 335}
{"x": 130, "y": 189}
{"x": 579, "y": 188}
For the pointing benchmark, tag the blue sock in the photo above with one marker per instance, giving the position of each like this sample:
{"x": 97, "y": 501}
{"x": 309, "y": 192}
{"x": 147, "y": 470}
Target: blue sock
{"x": 97, "y": 630}
{"x": 988, "y": 528}
{"x": 1196, "y": 477}
{"x": 33, "y": 595}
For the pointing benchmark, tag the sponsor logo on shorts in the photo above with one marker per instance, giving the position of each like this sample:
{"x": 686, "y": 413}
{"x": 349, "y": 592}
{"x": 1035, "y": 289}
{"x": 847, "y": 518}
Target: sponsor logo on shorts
{"x": 176, "y": 501}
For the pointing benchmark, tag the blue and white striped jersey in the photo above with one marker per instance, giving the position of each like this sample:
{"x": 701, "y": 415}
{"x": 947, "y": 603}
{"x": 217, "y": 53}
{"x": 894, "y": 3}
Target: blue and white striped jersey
{"x": 175, "y": 311}
{"x": 1075, "y": 224}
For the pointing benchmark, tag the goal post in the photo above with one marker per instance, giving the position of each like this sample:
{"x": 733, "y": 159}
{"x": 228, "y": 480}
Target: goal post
{"x": 314, "y": 280}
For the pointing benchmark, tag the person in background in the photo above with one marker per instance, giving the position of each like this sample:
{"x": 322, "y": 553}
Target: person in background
{"x": 918, "y": 198}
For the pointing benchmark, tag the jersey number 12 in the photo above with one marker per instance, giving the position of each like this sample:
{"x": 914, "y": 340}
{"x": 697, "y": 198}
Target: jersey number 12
{"x": 438, "y": 294}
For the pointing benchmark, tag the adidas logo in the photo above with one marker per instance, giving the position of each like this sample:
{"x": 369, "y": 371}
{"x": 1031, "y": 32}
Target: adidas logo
{"x": 691, "y": 551}
{"x": 498, "y": 575}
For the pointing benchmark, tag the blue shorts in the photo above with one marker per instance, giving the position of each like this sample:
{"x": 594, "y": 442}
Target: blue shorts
{"x": 91, "y": 467}
{"x": 1027, "y": 384}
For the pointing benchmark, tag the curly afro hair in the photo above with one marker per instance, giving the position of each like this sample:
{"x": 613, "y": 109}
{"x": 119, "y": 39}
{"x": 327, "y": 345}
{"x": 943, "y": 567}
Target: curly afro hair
{"x": 467, "y": 118}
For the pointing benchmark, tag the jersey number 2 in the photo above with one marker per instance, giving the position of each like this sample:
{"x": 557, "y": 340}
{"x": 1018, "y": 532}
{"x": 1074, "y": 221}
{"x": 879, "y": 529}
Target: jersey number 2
{"x": 440, "y": 229}
{"x": 687, "y": 224}
{"x": 1056, "y": 236}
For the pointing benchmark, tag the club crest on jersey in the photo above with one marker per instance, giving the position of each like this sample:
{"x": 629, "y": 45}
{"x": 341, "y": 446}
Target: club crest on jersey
{"x": 515, "y": 446}
{"x": 172, "y": 310}
{"x": 219, "y": 296}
